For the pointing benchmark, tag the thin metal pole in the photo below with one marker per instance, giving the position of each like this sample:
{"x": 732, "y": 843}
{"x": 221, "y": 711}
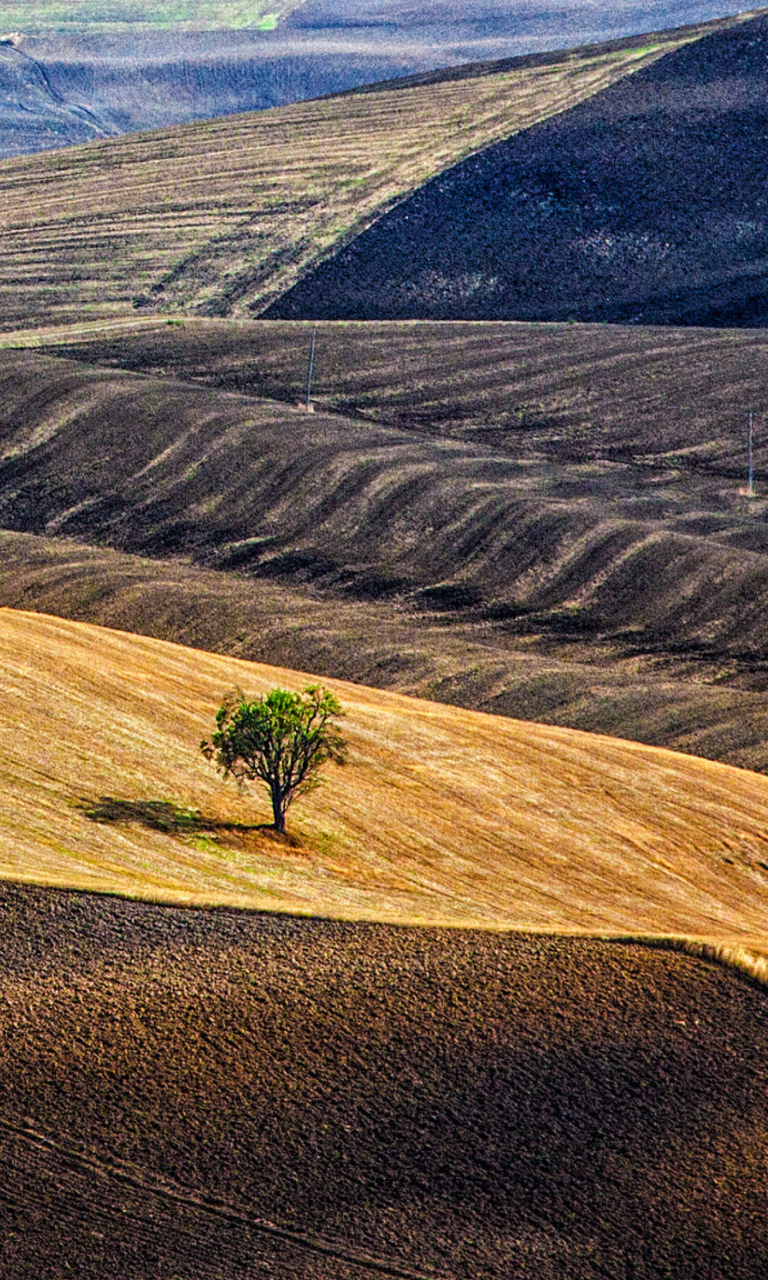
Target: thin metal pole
{"x": 751, "y": 485}
{"x": 311, "y": 366}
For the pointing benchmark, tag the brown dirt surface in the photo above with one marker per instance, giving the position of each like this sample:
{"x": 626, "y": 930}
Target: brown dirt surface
{"x": 441, "y": 816}
{"x": 702, "y": 704}
{"x": 207, "y": 1094}
{"x": 599, "y": 544}
{"x": 224, "y": 216}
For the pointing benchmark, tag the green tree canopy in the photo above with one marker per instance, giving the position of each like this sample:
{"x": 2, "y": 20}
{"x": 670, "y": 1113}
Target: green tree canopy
{"x": 282, "y": 739}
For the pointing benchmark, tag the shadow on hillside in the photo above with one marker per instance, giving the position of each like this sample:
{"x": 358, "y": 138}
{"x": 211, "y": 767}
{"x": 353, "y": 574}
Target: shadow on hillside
{"x": 172, "y": 819}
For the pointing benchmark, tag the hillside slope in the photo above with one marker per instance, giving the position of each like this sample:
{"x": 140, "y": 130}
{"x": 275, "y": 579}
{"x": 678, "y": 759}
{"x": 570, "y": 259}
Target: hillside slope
{"x": 200, "y": 1094}
{"x": 225, "y": 216}
{"x": 644, "y": 204}
{"x": 34, "y": 115}
{"x": 707, "y": 704}
{"x": 594, "y": 546}
{"x": 441, "y": 815}
{"x": 61, "y": 90}
{"x": 136, "y": 68}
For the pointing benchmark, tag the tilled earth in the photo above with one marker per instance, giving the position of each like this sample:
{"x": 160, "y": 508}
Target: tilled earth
{"x": 204, "y": 1094}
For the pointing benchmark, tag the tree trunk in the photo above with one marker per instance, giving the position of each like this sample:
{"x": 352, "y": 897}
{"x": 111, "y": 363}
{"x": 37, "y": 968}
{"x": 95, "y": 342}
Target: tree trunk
{"x": 278, "y": 813}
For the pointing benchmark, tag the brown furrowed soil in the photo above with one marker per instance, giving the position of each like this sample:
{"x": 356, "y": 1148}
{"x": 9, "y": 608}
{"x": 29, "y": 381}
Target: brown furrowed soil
{"x": 207, "y": 1094}
{"x": 224, "y": 216}
{"x": 441, "y": 816}
{"x": 577, "y": 392}
{"x": 662, "y": 542}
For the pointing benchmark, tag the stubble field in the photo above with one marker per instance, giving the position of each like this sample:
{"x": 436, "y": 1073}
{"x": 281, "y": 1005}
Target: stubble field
{"x": 221, "y": 217}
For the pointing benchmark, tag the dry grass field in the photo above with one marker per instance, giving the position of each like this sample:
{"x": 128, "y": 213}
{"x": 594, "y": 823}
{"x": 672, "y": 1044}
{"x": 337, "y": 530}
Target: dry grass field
{"x": 705, "y": 704}
{"x": 224, "y": 216}
{"x": 442, "y": 815}
{"x": 616, "y": 575}
{"x": 465, "y": 1024}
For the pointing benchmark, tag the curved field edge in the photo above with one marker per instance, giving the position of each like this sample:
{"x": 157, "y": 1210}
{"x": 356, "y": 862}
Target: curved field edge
{"x": 657, "y": 555}
{"x": 442, "y": 816}
{"x": 223, "y": 217}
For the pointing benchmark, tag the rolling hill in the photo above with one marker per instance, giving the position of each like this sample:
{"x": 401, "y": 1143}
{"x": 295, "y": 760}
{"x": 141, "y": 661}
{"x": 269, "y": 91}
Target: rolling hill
{"x": 226, "y": 216}
{"x": 707, "y": 704}
{"x": 643, "y": 204}
{"x": 77, "y": 72}
{"x": 443, "y": 816}
{"x": 215, "y": 1092}
{"x": 370, "y": 511}
{"x": 497, "y": 1009}
{"x": 618, "y": 581}
{"x": 60, "y": 90}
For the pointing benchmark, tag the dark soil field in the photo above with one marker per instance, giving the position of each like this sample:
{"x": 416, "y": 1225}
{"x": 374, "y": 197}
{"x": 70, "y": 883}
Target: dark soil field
{"x": 644, "y": 204}
{"x": 547, "y": 521}
{"x": 707, "y": 703}
{"x": 617, "y": 578}
{"x": 209, "y": 1094}
{"x": 374, "y": 511}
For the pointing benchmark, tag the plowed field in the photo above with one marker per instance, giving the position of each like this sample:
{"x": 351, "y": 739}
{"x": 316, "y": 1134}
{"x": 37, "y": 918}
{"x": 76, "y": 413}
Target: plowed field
{"x": 207, "y": 1094}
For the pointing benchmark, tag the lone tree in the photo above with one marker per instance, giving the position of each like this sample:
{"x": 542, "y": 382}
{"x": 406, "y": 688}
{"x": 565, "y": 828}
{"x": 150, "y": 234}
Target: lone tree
{"x": 282, "y": 738}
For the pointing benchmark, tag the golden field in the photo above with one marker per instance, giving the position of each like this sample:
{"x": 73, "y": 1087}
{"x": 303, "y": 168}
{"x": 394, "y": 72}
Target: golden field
{"x": 442, "y": 815}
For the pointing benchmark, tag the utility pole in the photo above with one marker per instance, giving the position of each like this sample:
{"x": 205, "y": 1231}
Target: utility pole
{"x": 311, "y": 367}
{"x": 751, "y": 475}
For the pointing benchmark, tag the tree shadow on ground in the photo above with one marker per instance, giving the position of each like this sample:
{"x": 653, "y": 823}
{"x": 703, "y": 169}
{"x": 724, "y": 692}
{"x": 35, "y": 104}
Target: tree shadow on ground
{"x": 172, "y": 819}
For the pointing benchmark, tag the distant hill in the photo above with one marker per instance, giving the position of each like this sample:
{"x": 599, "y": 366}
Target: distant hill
{"x": 126, "y": 68}
{"x": 34, "y": 114}
{"x": 644, "y": 204}
{"x": 61, "y": 89}
{"x": 225, "y": 216}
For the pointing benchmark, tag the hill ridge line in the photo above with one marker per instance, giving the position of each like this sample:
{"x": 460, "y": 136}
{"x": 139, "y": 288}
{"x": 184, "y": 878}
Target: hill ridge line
{"x": 546, "y": 57}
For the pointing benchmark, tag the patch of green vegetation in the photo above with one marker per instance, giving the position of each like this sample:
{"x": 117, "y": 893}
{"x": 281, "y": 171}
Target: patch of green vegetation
{"x": 122, "y": 15}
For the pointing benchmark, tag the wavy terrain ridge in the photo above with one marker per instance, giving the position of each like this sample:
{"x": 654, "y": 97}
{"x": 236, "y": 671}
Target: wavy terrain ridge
{"x": 560, "y": 532}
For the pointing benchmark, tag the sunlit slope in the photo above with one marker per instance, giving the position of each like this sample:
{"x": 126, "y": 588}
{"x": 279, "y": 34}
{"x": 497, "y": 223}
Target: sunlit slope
{"x": 715, "y": 707}
{"x": 441, "y": 816}
{"x": 225, "y": 216}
